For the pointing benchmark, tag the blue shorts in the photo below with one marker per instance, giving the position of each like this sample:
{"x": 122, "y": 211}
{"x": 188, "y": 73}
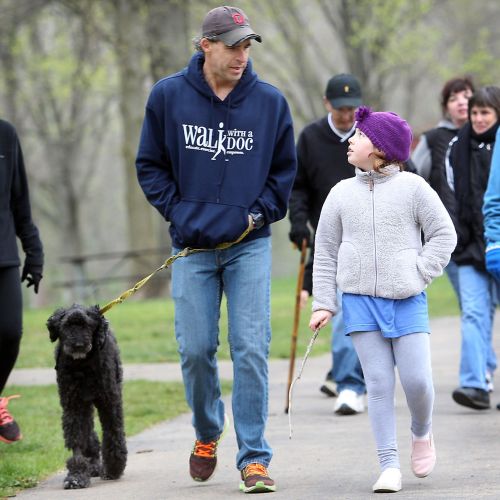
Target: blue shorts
{"x": 393, "y": 317}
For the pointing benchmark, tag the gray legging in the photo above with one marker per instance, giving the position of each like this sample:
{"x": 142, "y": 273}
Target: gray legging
{"x": 411, "y": 354}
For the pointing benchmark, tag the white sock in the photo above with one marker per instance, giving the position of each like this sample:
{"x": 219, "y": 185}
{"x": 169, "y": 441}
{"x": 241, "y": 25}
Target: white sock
{"x": 422, "y": 438}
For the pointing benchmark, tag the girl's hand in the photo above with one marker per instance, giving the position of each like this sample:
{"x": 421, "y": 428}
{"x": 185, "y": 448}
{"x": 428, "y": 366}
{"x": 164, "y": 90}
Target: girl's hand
{"x": 319, "y": 319}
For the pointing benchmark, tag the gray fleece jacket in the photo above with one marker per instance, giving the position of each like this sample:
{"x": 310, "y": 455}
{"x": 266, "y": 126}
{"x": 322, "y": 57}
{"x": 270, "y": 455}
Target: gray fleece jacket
{"x": 368, "y": 240}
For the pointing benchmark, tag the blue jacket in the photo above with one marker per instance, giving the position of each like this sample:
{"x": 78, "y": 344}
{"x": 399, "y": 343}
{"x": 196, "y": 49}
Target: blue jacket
{"x": 205, "y": 164}
{"x": 491, "y": 207}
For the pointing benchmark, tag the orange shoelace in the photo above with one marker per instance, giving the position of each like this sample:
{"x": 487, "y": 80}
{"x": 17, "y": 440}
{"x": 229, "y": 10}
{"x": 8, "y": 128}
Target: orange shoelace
{"x": 5, "y": 416}
{"x": 255, "y": 470}
{"x": 205, "y": 450}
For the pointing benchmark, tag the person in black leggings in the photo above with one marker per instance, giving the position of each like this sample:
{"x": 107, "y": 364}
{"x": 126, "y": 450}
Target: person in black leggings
{"x": 15, "y": 220}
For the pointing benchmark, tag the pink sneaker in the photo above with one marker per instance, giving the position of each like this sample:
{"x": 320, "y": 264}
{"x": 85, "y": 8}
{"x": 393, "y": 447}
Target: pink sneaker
{"x": 423, "y": 456}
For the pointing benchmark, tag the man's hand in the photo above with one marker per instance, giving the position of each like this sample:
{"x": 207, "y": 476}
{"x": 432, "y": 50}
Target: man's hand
{"x": 319, "y": 319}
{"x": 256, "y": 219}
{"x": 32, "y": 275}
{"x": 298, "y": 233}
{"x": 493, "y": 260}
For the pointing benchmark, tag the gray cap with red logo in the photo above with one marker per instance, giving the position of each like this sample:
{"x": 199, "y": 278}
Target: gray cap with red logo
{"x": 228, "y": 24}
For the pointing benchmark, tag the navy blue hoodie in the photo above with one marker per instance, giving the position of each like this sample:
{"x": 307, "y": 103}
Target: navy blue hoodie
{"x": 205, "y": 164}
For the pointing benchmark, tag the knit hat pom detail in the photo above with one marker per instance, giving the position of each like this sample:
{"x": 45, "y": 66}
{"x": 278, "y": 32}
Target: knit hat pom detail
{"x": 388, "y": 132}
{"x": 362, "y": 113}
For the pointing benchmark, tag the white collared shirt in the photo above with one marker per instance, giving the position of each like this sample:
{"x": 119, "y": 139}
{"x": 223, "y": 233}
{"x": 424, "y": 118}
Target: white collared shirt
{"x": 343, "y": 136}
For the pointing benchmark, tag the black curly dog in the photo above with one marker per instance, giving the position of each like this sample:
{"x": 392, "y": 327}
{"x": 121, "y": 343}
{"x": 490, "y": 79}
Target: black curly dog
{"x": 89, "y": 374}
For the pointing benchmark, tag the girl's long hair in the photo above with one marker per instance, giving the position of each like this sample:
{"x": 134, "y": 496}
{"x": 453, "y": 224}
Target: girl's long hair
{"x": 381, "y": 162}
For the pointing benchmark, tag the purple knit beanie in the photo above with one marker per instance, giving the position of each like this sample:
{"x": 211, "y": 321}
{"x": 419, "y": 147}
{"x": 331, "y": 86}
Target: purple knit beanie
{"x": 388, "y": 132}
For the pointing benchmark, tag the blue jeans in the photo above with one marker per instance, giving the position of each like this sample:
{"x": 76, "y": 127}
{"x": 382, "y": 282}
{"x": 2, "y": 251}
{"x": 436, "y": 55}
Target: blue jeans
{"x": 243, "y": 274}
{"x": 346, "y": 369}
{"x": 452, "y": 273}
{"x": 478, "y": 300}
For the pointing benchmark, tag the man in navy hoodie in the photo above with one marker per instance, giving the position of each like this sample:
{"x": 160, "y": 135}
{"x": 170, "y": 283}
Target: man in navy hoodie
{"x": 217, "y": 156}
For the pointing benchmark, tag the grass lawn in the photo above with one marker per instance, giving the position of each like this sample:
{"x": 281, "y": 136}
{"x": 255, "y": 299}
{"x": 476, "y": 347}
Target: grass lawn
{"x": 145, "y": 329}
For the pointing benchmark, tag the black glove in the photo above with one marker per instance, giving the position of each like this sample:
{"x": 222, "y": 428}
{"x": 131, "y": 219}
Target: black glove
{"x": 32, "y": 274}
{"x": 298, "y": 233}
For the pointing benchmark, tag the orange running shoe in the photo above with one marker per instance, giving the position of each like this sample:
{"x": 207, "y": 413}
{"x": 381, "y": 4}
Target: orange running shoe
{"x": 203, "y": 459}
{"x": 9, "y": 430}
{"x": 255, "y": 479}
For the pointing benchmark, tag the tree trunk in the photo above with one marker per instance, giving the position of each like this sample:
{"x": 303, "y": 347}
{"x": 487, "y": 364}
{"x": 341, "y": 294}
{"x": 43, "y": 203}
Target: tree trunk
{"x": 129, "y": 56}
{"x": 166, "y": 20}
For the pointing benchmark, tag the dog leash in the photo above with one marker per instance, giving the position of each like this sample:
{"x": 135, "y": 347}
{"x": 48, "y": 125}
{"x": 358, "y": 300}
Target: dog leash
{"x": 168, "y": 262}
{"x": 308, "y": 350}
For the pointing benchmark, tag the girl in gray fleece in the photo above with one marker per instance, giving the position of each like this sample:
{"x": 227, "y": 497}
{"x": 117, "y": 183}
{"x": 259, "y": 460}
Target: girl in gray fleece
{"x": 369, "y": 244}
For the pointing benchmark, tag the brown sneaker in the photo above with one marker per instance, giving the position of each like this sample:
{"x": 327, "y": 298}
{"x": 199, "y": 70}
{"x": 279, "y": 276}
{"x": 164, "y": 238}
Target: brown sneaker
{"x": 203, "y": 459}
{"x": 255, "y": 479}
{"x": 9, "y": 430}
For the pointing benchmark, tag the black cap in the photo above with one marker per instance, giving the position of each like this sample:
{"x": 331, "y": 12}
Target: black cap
{"x": 229, "y": 25}
{"x": 344, "y": 90}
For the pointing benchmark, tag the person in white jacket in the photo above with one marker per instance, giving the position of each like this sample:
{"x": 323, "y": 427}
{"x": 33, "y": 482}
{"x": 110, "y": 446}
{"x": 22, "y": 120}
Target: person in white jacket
{"x": 369, "y": 244}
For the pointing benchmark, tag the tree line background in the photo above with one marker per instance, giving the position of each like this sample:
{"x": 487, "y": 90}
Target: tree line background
{"x": 75, "y": 75}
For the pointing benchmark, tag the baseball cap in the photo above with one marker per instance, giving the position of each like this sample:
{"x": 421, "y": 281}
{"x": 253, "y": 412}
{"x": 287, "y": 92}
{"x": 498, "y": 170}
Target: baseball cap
{"x": 344, "y": 90}
{"x": 229, "y": 25}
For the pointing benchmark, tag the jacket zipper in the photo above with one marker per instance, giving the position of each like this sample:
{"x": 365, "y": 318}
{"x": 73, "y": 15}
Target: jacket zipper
{"x": 372, "y": 193}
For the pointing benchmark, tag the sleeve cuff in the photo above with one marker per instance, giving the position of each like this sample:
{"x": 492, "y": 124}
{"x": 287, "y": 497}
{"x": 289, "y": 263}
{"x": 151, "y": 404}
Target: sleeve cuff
{"x": 493, "y": 246}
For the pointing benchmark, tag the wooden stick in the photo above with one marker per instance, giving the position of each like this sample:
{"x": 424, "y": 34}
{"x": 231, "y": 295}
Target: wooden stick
{"x": 293, "y": 348}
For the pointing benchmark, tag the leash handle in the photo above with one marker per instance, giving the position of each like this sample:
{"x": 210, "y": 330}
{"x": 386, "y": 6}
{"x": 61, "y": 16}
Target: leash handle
{"x": 223, "y": 246}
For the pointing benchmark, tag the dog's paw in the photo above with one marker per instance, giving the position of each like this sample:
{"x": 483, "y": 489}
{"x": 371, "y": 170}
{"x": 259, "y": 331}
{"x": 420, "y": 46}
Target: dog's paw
{"x": 113, "y": 464}
{"x": 95, "y": 469}
{"x": 76, "y": 482}
{"x": 111, "y": 475}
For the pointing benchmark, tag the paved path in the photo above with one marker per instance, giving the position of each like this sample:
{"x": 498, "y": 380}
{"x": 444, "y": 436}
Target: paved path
{"x": 329, "y": 456}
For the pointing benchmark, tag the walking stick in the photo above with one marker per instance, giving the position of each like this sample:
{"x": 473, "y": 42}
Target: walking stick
{"x": 306, "y": 355}
{"x": 300, "y": 281}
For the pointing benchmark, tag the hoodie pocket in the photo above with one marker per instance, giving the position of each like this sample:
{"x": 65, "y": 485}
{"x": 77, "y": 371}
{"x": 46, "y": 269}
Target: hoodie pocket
{"x": 205, "y": 225}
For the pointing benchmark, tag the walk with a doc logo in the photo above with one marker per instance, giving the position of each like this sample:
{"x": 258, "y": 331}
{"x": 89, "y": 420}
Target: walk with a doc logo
{"x": 227, "y": 142}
